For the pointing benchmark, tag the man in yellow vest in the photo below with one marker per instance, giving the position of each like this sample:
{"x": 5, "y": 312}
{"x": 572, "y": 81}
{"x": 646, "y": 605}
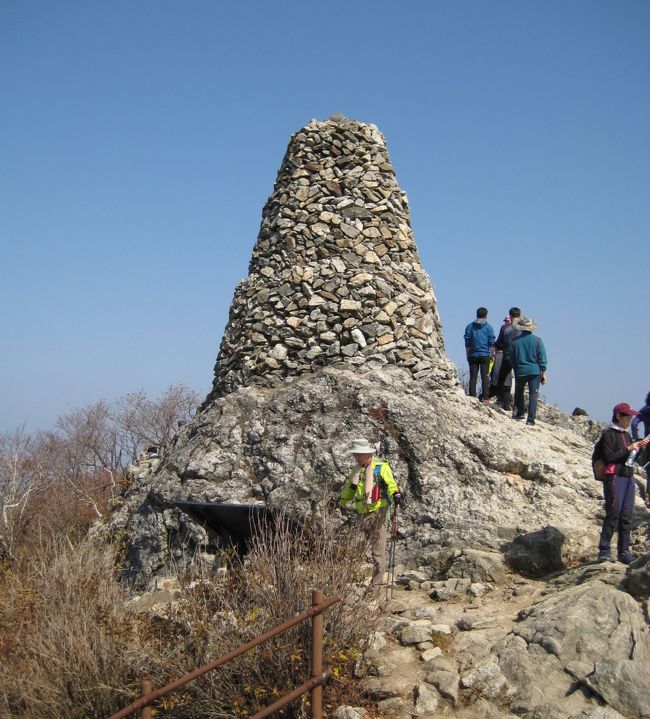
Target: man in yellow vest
{"x": 372, "y": 487}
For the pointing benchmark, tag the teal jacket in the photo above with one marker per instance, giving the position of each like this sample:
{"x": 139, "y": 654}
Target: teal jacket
{"x": 527, "y": 355}
{"x": 388, "y": 487}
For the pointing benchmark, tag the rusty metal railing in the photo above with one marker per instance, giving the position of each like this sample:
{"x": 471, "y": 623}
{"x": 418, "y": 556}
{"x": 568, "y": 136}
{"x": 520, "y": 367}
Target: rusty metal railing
{"x": 314, "y": 684}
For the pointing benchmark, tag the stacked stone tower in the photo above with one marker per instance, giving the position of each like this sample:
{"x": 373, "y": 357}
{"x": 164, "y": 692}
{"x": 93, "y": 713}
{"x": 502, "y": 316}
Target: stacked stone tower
{"x": 334, "y": 335}
{"x": 335, "y": 275}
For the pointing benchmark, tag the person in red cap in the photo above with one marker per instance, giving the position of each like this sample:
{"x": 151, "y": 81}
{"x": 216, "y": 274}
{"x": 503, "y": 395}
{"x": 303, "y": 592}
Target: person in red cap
{"x": 618, "y": 451}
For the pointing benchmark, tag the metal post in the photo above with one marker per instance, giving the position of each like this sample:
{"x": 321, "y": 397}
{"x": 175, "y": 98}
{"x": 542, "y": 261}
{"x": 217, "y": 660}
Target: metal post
{"x": 145, "y": 688}
{"x": 317, "y": 656}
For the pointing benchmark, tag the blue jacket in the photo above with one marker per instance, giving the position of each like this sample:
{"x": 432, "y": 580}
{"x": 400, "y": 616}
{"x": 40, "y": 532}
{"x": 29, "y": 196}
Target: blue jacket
{"x": 527, "y": 355}
{"x": 479, "y": 338}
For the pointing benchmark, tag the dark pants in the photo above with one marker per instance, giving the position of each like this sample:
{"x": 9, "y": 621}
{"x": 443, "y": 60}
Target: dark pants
{"x": 619, "y": 503}
{"x": 503, "y": 392}
{"x": 482, "y": 363}
{"x": 533, "y": 381}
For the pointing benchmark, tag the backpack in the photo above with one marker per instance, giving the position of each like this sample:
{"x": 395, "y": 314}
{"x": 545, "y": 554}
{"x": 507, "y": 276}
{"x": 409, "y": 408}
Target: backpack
{"x": 379, "y": 489}
{"x": 598, "y": 465}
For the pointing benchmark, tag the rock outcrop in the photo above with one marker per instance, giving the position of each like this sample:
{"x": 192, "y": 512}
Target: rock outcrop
{"x": 334, "y": 335}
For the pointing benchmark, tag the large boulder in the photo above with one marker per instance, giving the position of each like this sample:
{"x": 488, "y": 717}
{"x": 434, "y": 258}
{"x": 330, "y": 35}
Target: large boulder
{"x": 592, "y": 635}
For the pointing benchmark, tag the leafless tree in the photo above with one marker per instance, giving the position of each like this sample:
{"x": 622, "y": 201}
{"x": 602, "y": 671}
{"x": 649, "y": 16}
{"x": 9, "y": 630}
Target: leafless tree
{"x": 83, "y": 458}
{"x": 145, "y": 422}
{"x": 21, "y": 475}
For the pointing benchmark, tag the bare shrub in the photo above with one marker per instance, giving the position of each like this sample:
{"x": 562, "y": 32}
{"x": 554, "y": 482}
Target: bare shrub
{"x": 68, "y": 648}
{"x": 273, "y": 584}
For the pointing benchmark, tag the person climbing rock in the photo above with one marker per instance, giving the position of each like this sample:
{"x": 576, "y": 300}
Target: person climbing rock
{"x": 372, "y": 487}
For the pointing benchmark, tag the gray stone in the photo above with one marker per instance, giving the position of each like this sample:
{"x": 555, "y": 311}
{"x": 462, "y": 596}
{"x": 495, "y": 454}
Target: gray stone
{"x": 466, "y": 624}
{"x": 349, "y": 230}
{"x": 426, "y": 699}
{"x": 357, "y": 336}
{"x": 415, "y": 633}
{"x": 478, "y": 566}
{"x": 350, "y": 349}
{"x": 446, "y": 681}
{"x": 487, "y": 679}
{"x": 587, "y": 623}
{"x": 428, "y": 655}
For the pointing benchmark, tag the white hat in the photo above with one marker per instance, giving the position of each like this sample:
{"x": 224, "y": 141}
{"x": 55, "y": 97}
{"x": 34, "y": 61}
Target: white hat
{"x": 361, "y": 446}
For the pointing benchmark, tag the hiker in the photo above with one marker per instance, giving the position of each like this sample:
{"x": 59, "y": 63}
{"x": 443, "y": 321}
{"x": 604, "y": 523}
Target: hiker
{"x": 644, "y": 457}
{"x": 616, "y": 446}
{"x": 528, "y": 359}
{"x": 507, "y": 335}
{"x": 479, "y": 347}
{"x": 372, "y": 487}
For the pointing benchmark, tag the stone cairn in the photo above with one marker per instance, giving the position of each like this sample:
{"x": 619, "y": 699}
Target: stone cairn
{"x": 335, "y": 275}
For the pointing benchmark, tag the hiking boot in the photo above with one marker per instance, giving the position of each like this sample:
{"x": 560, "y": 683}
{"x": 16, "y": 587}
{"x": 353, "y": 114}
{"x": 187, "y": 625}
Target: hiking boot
{"x": 626, "y": 558}
{"x": 604, "y": 557}
{"x": 518, "y": 416}
{"x": 530, "y": 423}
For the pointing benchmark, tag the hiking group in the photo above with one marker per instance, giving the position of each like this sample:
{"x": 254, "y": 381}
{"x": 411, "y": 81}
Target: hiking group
{"x": 516, "y": 349}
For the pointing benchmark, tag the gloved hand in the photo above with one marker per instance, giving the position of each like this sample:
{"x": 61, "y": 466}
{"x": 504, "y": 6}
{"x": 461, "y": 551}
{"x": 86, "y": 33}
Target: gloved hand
{"x": 399, "y": 500}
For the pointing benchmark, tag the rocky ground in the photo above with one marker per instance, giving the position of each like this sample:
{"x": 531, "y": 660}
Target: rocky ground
{"x": 574, "y": 645}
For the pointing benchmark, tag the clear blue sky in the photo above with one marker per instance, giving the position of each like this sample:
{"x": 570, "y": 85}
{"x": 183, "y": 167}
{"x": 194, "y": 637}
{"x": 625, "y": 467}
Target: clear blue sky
{"x": 140, "y": 140}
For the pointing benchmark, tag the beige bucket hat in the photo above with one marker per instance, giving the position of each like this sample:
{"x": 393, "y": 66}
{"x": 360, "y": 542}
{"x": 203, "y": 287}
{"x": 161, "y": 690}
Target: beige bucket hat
{"x": 525, "y": 324}
{"x": 361, "y": 446}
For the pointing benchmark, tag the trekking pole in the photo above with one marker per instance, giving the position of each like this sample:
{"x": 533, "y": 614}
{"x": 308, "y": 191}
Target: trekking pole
{"x": 393, "y": 541}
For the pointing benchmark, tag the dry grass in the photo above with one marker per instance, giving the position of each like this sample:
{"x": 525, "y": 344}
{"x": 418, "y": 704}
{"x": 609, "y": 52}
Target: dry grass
{"x": 69, "y": 647}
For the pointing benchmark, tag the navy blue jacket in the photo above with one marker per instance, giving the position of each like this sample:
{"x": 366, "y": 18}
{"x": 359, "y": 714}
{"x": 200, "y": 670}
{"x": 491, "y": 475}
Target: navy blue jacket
{"x": 507, "y": 335}
{"x": 479, "y": 338}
